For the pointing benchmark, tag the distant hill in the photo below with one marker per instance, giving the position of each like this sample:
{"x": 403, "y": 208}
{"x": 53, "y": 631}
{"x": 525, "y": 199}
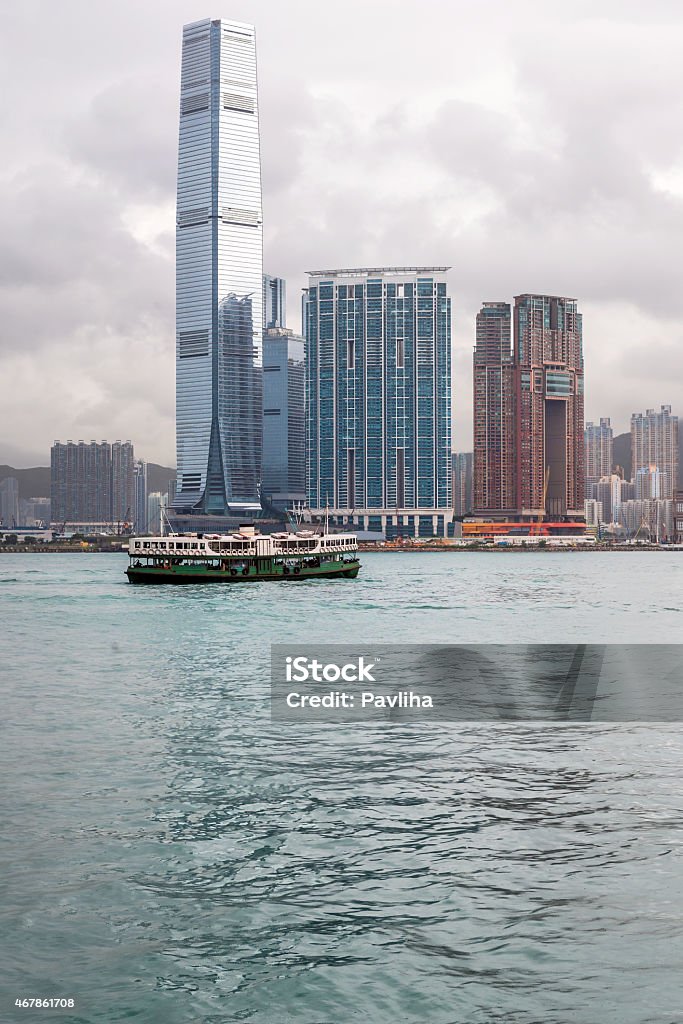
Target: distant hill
{"x": 35, "y": 483}
{"x": 621, "y": 453}
{"x": 158, "y": 477}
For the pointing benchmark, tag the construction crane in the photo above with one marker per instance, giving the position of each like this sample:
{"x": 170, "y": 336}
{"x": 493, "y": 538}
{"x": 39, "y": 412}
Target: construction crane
{"x": 644, "y": 524}
{"x": 127, "y": 522}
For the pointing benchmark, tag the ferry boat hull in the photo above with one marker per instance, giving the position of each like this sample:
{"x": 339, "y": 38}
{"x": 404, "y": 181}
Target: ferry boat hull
{"x": 242, "y": 557}
{"x": 212, "y": 574}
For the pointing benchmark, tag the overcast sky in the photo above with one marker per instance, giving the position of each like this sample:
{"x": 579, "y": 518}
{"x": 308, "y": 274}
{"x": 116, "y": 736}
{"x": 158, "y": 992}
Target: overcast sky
{"x": 532, "y": 145}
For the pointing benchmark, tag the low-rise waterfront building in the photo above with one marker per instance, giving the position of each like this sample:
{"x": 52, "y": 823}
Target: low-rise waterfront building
{"x": 594, "y": 513}
{"x": 678, "y": 517}
{"x": 648, "y": 519}
{"x": 26, "y": 534}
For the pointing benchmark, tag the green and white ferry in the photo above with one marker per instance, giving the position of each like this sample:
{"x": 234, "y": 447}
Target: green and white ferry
{"x": 245, "y": 556}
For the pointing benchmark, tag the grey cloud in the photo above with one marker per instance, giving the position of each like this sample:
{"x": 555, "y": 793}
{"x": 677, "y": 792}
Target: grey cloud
{"x": 285, "y": 116}
{"x": 514, "y": 142}
{"x": 126, "y": 137}
{"x": 67, "y": 262}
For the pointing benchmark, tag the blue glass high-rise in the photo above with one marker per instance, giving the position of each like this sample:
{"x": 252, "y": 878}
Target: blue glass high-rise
{"x": 219, "y": 273}
{"x": 378, "y": 380}
{"x": 284, "y": 440}
{"x": 274, "y": 301}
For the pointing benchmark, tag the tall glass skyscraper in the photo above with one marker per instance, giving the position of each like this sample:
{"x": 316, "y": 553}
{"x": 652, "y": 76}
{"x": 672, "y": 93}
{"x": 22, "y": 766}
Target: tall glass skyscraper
{"x": 274, "y": 301}
{"x": 378, "y": 389}
{"x": 284, "y": 438}
{"x": 219, "y": 273}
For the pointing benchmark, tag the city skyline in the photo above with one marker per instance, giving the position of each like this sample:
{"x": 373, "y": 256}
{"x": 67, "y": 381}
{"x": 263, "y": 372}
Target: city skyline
{"x": 507, "y": 175}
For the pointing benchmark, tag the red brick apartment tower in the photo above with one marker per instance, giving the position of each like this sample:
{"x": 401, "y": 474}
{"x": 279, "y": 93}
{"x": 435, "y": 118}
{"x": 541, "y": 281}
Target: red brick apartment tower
{"x": 494, "y": 433}
{"x": 549, "y": 423}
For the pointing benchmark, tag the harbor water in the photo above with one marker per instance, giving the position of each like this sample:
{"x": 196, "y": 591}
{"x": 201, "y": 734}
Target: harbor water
{"x": 170, "y": 854}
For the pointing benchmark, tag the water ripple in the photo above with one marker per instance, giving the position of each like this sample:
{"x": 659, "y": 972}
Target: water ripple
{"x": 173, "y": 855}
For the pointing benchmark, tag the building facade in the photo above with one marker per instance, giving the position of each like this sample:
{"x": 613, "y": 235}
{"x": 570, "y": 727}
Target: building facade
{"x": 612, "y": 491}
{"x": 528, "y": 410}
{"x": 593, "y": 511}
{"x": 34, "y": 512}
{"x": 9, "y": 502}
{"x": 548, "y": 353}
{"x": 650, "y": 483}
{"x": 219, "y": 273}
{"x": 140, "y": 504}
{"x": 274, "y": 302}
{"x": 378, "y": 399}
{"x": 462, "y": 483}
{"x": 648, "y": 519}
{"x": 654, "y": 442}
{"x": 92, "y": 483}
{"x": 678, "y": 517}
{"x": 122, "y": 483}
{"x": 157, "y": 504}
{"x": 284, "y": 427}
{"x": 494, "y": 411}
{"x": 598, "y": 443}
{"x": 80, "y": 480}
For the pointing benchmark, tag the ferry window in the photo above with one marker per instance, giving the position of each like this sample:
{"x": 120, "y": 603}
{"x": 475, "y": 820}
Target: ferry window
{"x": 145, "y": 544}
